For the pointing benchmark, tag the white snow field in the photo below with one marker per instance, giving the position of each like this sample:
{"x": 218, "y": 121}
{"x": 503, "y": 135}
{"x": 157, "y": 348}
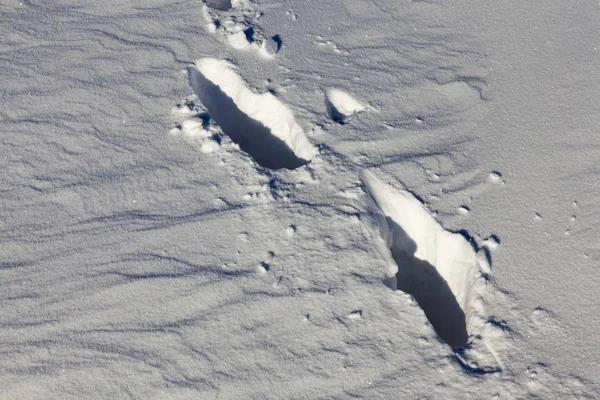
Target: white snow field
{"x": 285, "y": 199}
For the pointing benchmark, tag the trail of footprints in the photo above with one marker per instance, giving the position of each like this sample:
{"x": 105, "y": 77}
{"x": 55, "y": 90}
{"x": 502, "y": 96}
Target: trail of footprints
{"x": 445, "y": 272}
{"x": 446, "y": 275}
{"x": 443, "y": 278}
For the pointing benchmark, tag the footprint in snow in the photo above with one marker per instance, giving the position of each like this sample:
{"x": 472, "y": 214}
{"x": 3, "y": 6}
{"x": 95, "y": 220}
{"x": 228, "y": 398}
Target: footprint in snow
{"x": 440, "y": 269}
{"x": 260, "y": 124}
{"x": 237, "y": 21}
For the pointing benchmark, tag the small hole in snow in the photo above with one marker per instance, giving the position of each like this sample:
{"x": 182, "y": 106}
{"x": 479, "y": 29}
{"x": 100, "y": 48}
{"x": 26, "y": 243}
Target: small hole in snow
{"x": 249, "y": 34}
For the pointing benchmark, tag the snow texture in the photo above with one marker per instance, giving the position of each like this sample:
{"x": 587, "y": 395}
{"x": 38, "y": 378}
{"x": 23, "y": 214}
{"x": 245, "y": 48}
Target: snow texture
{"x": 286, "y": 199}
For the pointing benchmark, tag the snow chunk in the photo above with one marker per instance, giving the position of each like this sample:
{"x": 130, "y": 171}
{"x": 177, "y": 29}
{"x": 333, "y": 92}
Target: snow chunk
{"x": 239, "y": 41}
{"x": 495, "y": 177}
{"x": 196, "y": 126}
{"x": 270, "y": 46}
{"x": 340, "y": 105}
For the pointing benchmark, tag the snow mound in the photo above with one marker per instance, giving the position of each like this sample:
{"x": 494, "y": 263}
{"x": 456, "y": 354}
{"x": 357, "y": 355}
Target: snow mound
{"x": 340, "y": 105}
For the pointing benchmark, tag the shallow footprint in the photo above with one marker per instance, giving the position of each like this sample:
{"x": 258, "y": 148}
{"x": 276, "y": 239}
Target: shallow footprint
{"x": 237, "y": 22}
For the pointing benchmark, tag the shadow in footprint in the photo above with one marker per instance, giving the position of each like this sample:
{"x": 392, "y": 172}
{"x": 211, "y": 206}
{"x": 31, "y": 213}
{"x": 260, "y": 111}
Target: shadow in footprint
{"x": 334, "y": 114}
{"x": 222, "y": 5}
{"x": 251, "y": 135}
{"x": 421, "y": 279}
{"x": 278, "y": 42}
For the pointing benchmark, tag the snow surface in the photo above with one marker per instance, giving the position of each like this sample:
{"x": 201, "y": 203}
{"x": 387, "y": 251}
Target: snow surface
{"x": 286, "y": 199}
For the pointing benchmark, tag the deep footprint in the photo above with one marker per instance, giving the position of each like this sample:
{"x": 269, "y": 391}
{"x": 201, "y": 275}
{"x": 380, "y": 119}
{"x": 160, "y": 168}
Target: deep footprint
{"x": 422, "y": 280}
{"x": 259, "y": 123}
{"x": 439, "y": 268}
